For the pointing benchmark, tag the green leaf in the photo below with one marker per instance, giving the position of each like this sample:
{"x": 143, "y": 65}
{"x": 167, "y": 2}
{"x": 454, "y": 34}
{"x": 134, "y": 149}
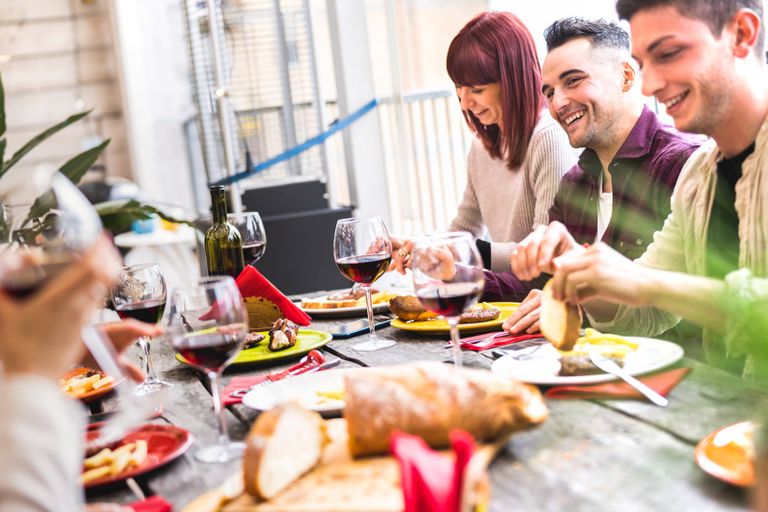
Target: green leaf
{"x": 117, "y": 216}
{"x": 76, "y": 167}
{"x": 29, "y": 146}
{"x": 3, "y": 142}
{"x": 2, "y": 111}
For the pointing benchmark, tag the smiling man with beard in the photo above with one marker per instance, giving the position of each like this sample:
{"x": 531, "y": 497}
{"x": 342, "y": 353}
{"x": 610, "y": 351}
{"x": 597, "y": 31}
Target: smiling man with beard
{"x": 619, "y": 191}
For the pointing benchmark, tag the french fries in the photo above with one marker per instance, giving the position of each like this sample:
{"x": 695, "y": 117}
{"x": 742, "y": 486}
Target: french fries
{"x": 85, "y": 382}
{"x": 113, "y": 462}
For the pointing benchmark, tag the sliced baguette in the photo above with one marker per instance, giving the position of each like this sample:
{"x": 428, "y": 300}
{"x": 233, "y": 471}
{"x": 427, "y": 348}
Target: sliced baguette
{"x": 283, "y": 444}
{"x": 559, "y": 321}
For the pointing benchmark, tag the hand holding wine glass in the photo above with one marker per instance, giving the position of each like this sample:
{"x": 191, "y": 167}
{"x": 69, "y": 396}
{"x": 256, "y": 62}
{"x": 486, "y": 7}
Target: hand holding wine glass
{"x": 362, "y": 251}
{"x": 207, "y": 328}
{"x": 448, "y": 278}
{"x": 140, "y": 294}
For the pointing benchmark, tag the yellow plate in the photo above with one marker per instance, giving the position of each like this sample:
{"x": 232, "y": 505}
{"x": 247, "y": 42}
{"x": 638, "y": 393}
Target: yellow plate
{"x": 440, "y": 326}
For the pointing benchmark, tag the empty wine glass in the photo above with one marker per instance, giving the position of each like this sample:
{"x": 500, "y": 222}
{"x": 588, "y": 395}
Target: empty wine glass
{"x": 252, "y": 232}
{"x": 208, "y": 326}
{"x": 362, "y": 250}
{"x": 140, "y": 293}
{"x": 448, "y": 278}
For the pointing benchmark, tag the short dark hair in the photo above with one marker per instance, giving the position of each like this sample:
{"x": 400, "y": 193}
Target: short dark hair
{"x": 715, "y": 13}
{"x": 601, "y": 33}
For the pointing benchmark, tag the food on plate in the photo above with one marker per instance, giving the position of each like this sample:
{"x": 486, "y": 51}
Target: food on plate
{"x": 481, "y": 312}
{"x": 111, "y": 463}
{"x": 282, "y": 335}
{"x": 611, "y": 346}
{"x": 82, "y": 383}
{"x": 283, "y": 444}
{"x": 430, "y": 400}
{"x": 253, "y": 339}
{"x": 408, "y": 308}
{"x": 355, "y": 297}
{"x": 559, "y": 321}
{"x": 261, "y": 313}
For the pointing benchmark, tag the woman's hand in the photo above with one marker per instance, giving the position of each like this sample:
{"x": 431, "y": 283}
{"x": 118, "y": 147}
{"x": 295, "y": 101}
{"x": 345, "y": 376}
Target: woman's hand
{"x": 122, "y": 335}
{"x": 436, "y": 262}
{"x": 534, "y": 254}
{"x": 526, "y": 317}
{"x": 41, "y": 334}
{"x": 401, "y": 254}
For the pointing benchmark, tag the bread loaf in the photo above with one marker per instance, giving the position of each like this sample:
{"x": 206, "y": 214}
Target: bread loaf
{"x": 431, "y": 399}
{"x": 283, "y": 444}
{"x": 559, "y": 321}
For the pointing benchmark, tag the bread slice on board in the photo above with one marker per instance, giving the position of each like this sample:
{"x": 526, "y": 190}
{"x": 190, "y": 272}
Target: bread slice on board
{"x": 559, "y": 321}
{"x": 284, "y": 443}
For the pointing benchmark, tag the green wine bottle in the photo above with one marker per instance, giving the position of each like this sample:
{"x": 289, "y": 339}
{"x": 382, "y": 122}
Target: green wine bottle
{"x": 223, "y": 243}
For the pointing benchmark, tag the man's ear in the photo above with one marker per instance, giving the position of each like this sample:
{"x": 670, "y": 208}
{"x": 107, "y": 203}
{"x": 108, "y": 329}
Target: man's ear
{"x": 745, "y": 25}
{"x": 628, "y": 74}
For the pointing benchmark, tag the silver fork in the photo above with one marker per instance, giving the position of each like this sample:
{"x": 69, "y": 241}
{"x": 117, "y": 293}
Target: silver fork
{"x": 482, "y": 342}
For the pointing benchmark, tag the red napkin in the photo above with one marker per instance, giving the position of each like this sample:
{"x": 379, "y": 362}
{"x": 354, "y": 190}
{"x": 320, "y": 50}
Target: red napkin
{"x": 152, "y": 504}
{"x": 662, "y": 383}
{"x": 253, "y": 284}
{"x": 500, "y": 339}
{"x": 238, "y": 383}
{"x": 431, "y": 481}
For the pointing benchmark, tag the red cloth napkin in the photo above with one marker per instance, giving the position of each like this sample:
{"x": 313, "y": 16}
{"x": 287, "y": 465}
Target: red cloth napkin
{"x": 431, "y": 481}
{"x": 662, "y": 383}
{"x": 152, "y": 504}
{"x": 253, "y": 284}
{"x": 238, "y": 383}
{"x": 500, "y": 339}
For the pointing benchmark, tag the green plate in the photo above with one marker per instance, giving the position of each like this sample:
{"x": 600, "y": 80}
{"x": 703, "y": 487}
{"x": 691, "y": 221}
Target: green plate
{"x": 308, "y": 340}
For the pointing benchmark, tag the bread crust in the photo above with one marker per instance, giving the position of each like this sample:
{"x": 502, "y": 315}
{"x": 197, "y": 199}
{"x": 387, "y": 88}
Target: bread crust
{"x": 430, "y": 400}
{"x": 559, "y": 321}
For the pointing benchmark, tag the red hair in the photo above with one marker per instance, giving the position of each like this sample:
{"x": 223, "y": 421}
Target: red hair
{"x": 497, "y": 47}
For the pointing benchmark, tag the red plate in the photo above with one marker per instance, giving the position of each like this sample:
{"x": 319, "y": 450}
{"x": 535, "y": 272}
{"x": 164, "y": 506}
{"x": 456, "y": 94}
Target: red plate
{"x": 164, "y": 444}
{"x": 94, "y": 393}
{"x": 725, "y": 455}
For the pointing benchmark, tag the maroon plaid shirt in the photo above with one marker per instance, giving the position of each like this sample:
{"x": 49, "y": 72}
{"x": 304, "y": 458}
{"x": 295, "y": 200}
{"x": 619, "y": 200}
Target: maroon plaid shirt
{"x": 643, "y": 173}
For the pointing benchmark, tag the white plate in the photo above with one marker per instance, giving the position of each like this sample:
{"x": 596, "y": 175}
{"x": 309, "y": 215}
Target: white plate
{"x": 302, "y": 389}
{"x": 544, "y": 364}
{"x": 353, "y": 311}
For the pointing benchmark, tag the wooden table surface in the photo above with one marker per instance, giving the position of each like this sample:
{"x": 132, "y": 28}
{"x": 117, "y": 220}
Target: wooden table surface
{"x": 613, "y": 455}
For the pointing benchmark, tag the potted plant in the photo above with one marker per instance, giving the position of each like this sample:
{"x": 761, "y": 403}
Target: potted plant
{"x": 116, "y": 216}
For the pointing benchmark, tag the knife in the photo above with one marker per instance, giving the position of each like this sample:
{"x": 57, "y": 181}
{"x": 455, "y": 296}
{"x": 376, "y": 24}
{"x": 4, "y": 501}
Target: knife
{"x": 609, "y": 366}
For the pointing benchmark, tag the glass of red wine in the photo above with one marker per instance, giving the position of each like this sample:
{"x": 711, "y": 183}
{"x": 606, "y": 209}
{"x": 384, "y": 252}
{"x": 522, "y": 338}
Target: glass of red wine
{"x": 207, "y": 328}
{"x": 448, "y": 278}
{"x": 252, "y": 231}
{"x": 362, "y": 250}
{"x": 140, "y": 294}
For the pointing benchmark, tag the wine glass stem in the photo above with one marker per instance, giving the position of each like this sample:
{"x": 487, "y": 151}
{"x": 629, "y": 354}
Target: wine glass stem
{"x": 453, "y": 323}
{"x": 369, "y": 305}
{"x": 215, "y": 380}
{"x": 149, "y": 368}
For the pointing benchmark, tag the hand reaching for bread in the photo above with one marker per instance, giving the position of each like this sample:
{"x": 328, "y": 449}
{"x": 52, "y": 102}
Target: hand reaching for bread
{"x": 536, "y": 252}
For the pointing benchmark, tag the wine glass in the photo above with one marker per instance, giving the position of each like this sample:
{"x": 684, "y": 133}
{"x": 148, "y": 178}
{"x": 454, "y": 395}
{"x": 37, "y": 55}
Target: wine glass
{"x": 252, "y": 232}
{"x": 448, "y": 278}
{"x": 140, "y": 293}
{"x": 362, "y": 250}
{"x": 207, "y": 328}
{"x": 51, "y": 223}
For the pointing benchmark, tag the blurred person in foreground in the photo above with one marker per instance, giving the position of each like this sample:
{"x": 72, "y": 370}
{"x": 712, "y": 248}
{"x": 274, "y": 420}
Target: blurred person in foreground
{"x": 705, "y": 62}
{"x": 41, "y": 431}
{"x": 519, "y": 154}
{"x": 619, "y": 191}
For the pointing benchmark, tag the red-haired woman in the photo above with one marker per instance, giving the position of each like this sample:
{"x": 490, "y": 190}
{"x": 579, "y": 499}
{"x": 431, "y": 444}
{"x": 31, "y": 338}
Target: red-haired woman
{"x": 519, "y": 153}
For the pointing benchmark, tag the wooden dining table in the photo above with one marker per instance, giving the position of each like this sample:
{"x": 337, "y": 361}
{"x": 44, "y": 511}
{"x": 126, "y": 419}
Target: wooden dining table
{"x": 613, "y": 455}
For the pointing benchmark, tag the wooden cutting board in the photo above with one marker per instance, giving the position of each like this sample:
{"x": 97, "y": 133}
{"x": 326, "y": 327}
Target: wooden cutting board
{"x": 338, "y": 484}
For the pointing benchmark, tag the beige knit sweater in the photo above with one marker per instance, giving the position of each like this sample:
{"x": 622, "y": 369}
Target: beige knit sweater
{"x": 510, "y": 204}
